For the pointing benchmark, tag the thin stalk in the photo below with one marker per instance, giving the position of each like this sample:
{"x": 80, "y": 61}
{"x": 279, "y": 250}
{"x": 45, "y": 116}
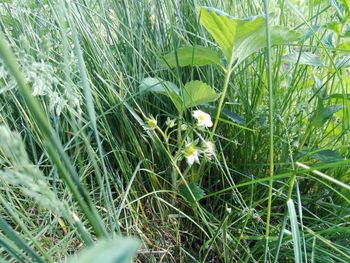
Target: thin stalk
{"x": 228, "y": 73}
{"x": 165, "y": 137}
{"x": 174, "y": 174}
{"x": 271, "y": 126}
{"x": 92, "y": 116}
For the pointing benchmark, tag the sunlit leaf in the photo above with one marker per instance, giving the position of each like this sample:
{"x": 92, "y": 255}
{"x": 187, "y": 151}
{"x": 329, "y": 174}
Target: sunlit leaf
{"x": 345, "y": 45}
{"x": 343, "y": 61}
{"x": 309, "y": 32}
{"x": 335, "y": 27}
{"x": 158, "y": 85}
{"x": 197, "y": 92}
{"x": 239, "y": 38}
{"x": 303, "y": 58}
{"x": 163, "y": 87}
{"x": 323, "y": 114}
{"x": 194, "y": 93}
{"x": 192, "y": 56}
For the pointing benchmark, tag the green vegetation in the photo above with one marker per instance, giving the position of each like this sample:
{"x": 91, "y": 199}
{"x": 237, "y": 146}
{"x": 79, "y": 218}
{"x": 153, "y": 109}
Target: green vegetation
{"x": 174, "y": 131}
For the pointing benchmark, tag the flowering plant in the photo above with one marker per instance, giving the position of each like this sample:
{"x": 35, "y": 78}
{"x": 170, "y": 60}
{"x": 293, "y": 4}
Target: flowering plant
{"x": 188, "y": 152}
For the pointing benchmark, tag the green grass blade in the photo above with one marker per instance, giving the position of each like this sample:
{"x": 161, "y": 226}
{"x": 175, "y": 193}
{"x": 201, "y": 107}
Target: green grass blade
{"x": 54, "y": 147}
{"x": 295, "y": 231}
{"x": 11, "y": 234}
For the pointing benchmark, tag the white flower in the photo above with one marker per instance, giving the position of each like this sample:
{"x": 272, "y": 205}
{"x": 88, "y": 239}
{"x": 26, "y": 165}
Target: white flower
{"x": 209, "y": 149}
{"x": 170, "y": 122}
{"x": 203, "y": 118}
{"x": 191, "y": 154}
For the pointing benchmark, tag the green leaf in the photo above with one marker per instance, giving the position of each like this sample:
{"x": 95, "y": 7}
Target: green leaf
{"x": 226, "y": 114}
{"x": 329, "y": 41}
{"x": 303, "y": 58}
{"x": 309, "y": 32}
{"x": 343, "y": 61}
{"x": 325, "y": 156}
{"x": 338, "y": 96}
{"x": 239, "y": 38}
{"x": 234, "y": 117}
{"x": 346, "y": 32}
{"x": 323, "y": 114}
{"x": 163, "y": 87}
{"x": 197, "y": 92}
{"x": 7, "y": 230}
{"x": 195, "y": 195}
{"x": 335, "y": 27}
{"x": 295, "y": 231}
{"x": 158, "y": 85}
{"x": 194, "y": 93}
{"x": 120, "y": 250}
{"x": 192, "y": 56}
{"x": 344, "y": 45}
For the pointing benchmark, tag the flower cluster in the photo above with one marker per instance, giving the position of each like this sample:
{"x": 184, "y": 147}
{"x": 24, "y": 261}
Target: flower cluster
{"x": 191, "y": 152}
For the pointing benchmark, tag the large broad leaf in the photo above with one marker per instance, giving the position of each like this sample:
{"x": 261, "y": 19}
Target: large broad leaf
{"x": 239, "y": 38}
{"x": 193, "y": 94}
{"x": 197, "y": 92}
{"x": 192, "y": 56}
{"x": 326, "y": 155}
{"x": 309, "y": 32}
{"x": 323, "y": 114}
{"x": 120, "y": 250}
{"x": 303, "y": 58}
{"x": 160, "y": 86}
{"x": 192, "y": 192}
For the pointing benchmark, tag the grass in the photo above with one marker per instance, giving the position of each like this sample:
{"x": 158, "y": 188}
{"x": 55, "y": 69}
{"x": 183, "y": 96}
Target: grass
{"x": 79, "y": 164}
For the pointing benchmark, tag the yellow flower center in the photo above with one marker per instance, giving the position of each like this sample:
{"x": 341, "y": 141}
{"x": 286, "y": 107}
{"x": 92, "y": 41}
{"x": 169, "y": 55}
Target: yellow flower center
{"x": 190, "y": 150}
{"x": 152, "y": 123}
{"x": 201, "y": 117}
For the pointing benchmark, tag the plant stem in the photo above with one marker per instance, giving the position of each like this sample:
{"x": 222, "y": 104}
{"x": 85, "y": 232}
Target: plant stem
{"x": 179, "y": 143}
{"x": 228, "y": 73}
{"x": 165, "y": 138}
{"x": 271, "y": 126}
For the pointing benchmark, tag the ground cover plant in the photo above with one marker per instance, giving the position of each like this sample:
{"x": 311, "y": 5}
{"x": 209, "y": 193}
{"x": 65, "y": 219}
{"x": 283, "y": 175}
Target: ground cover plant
{"x": 174, "y": 131}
